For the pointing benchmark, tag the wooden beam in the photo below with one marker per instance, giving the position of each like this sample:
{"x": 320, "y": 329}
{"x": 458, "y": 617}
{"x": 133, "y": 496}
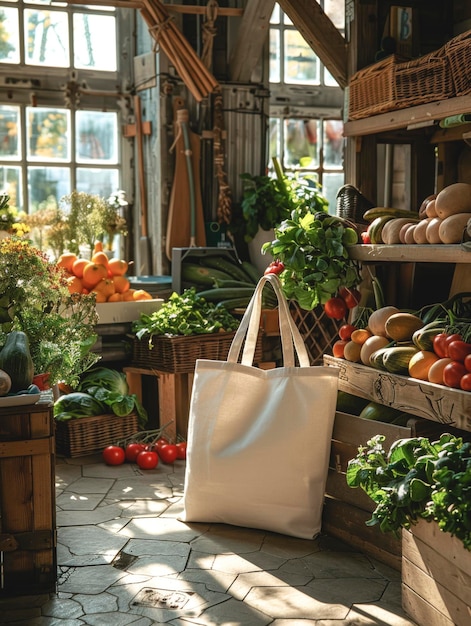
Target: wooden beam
{"x": 320, "y": 33}
{"x": 251, "y": 37}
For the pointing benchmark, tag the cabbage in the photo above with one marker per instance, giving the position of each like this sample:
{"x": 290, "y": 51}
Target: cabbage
{"x": 75, "y": 405}
{"x": 106, "y": 378}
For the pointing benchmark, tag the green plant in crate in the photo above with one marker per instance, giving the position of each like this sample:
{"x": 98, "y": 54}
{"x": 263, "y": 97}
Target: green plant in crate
{"x": 416, "y": 479}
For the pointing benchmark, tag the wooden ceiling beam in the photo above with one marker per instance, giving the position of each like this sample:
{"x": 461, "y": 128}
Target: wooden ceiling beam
{"x": 252, "y": 35}
{"x": 320, "y": 33}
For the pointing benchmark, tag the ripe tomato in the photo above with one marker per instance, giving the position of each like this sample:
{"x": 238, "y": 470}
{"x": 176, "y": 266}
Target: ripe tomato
{"x": 132, "y": 450}
{"x": 465, "y": 382}
{"x": 147, "y": 459}
{"x": 351, "y": 296}
{"x": 365, "y": 237}
{"x": 467, "y": 362}
{"x": 168, "y": 453}
{"x": 440, "y": 345}
{"x": 345, "y": 331}
{"x": 335, "y": 308}
{"x": 458, "y": 350}
{"x": 453, "y": 373}
{"x": 338, "y": 348}
{"x": 181, "y": 450}
{"x": 275, "y": 267}
{"x": 114, "y": 455}
{"x": 161, "y": 441}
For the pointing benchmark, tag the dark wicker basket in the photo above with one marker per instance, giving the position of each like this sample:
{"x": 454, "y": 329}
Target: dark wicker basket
{"x": 458, "y": 51}
{"x": 352, "y": 204}
{"x": 178, "y": 354}
{"x": 89, "y": 435}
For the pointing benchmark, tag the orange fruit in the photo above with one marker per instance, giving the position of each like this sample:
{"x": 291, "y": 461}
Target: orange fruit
{"x": 106, "y": 287}
{"x": 98, "y": 246}
{"x": 66, "y": 261}
{"x": 420, "y": 364}
{"x": 141, "y": 294}
{"x": 360, "y": 335}
{"x": 128, "y": 296}
{"x": 121, "y": 283}
{"x": 78, "y": 266}
{"x": 93, "y": 273}
{"x": 118, "y": 267}
{"x": 100, "y": 258}
{"x": 100, "y": 297}
{"x": 115, "y": 297}
{"x": 74, "y": 284}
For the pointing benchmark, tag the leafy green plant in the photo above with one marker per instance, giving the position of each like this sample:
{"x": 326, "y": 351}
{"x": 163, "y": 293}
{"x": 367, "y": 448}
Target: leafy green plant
{"x": 313, "y": 249}
{"x": 416, "y": 479}
{"x": 268, "y": 200}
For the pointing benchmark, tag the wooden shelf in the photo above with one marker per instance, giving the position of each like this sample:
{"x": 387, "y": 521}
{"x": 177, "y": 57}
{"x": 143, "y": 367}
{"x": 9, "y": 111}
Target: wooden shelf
{"x": 450, "y": 407}
{"x": 412, "y": 117}
{"x": 410, "y": 253}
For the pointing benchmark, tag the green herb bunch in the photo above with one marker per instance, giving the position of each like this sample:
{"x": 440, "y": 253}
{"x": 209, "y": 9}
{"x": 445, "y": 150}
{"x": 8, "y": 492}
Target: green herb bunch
{"x": 417, "y": 479}
{"x": 185, "y": 314}
{"x": 313, "y": 248}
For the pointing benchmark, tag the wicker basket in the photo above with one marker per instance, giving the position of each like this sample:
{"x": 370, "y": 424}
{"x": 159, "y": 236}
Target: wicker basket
{"x": 423, "y": 80}
{"x": 352, "y": 204}
{"x": 178, "y": 355}
{"x": 372, "y": 89}
{"x": 89, "y": 435}
{"x": 318, "y": 331}
{"x": 458, "y": 52}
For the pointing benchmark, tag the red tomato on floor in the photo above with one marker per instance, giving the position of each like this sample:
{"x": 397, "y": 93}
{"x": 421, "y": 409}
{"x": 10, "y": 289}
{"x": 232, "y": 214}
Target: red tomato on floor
{"x": 132, "y": 450}
{"x": 181, "y": 450}
{"x": 168, "y": 453}
{"x": 114, "y": 455}
{"x": 147, "y": 459}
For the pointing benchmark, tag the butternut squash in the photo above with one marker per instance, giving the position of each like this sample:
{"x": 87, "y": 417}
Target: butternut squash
{"x": 453, "y": 199}
{"x": 452, "y": 228}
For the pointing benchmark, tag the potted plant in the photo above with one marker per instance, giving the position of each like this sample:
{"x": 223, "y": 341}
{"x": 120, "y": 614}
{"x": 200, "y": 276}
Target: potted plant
{"x": 422, "y": 491}
{"x": 35, "y": 299}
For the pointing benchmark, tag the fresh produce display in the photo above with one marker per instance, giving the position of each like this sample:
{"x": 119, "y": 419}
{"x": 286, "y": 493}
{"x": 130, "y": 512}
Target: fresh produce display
{"x": 433, "y": 344}
{"x": 443, "y": 218}
{"x": 16, "y": 361}
{"x": 417, "y": 478}
{"x": 101, "y": 390}
{"x": 317, "y": 270}
{"x": 223, "y": 281}
{"x": 103, "y": 277}
{"x": 185, "y": 314}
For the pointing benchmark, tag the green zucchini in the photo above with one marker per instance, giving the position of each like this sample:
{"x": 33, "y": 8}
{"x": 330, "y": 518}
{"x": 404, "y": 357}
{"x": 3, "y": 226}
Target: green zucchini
{"x": 251, "y": 271}
{"x": 224, "y": 265}
{"x": 222, "y": 282}
{"x": 233, "y": 303}
{"x": 396, "y": 360}
{"x": 423, "y": 338}
{"x": 192, "y": 273}
{"x": 226, "y": 293}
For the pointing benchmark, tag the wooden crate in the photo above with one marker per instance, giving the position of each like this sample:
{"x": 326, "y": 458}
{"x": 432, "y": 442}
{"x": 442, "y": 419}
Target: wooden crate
{"x": 27, "y": 501}
{"x": 436, "y": 577}
{"x": 89, "y": 435}
{"x": 347, "y": 510}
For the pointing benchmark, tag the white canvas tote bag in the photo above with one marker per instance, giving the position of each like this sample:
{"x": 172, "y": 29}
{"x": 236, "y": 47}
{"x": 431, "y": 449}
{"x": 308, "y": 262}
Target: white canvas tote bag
{"x": 259, "y": 440}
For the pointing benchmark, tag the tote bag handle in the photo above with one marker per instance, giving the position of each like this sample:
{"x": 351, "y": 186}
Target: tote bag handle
{"x": 291, "y": 339}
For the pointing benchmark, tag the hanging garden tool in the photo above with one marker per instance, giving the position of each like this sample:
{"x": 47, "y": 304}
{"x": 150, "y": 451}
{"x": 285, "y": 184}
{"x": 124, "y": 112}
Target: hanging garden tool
{"x": 185, "y": 226}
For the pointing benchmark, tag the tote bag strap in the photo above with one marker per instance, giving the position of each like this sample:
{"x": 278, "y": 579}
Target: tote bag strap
{"x": 291, "y": 339}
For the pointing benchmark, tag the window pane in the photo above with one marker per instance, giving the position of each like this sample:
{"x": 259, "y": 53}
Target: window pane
{"x": 335, "y": 9}
{"x": 329, "y": 80}
{"x": 10, "y": 183}
{"x": 331, "y": 184}
{"x": 275, "y": 58}
{"x": 48, "y": 134}
{"x": 45, "y": 183}
{"x": 301, "y": 140}
{"x": 9, "y": 132}
{"x": 301, "y": 64}
{"x": 97, "y": 134}
{"x": 97, "y": 181}
{"x": 333, "y": 143}
{"x": 95, "y": 42}
{"x": 47, "y": 38}
{"x": 9, "y": 36}
{"x": 275, "y": 16}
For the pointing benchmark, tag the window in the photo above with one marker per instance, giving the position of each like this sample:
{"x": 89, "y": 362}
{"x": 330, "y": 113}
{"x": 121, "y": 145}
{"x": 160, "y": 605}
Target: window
{"x": 60, "y": 108}
{"x": 306, "y": 128}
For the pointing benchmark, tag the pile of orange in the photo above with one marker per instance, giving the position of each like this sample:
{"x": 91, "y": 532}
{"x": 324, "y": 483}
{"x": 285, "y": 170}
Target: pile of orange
{"x": 104, "y": 277}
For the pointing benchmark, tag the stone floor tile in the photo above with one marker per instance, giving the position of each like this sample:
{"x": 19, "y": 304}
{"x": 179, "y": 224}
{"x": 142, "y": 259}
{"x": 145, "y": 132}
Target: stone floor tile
{"x": 90, "y": 580}
{"x": 213, "y": 580}
{"x": 92, "y": 485}
{"x": 84, "y": 518}
{"x": 168, "y": 529}
{"x": 101, "y": 603}
{"x": 63, "y": 608}
{"x": 137, "y": 488}
{"x": 230, "y": 613}
{"x": 90, "y": 540}
{"x": 150, "y": 547}
{"x": 244, "y": 582}
{"x": 145, "y": 508}
{"x": 382, "y": 615}
{"x": 340, "y": 565}
{"x": 290, "y": 547}
{"x": 223, "y": 539}
{"x": 247, "y": 562}
{"x": 70, "y": 501}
